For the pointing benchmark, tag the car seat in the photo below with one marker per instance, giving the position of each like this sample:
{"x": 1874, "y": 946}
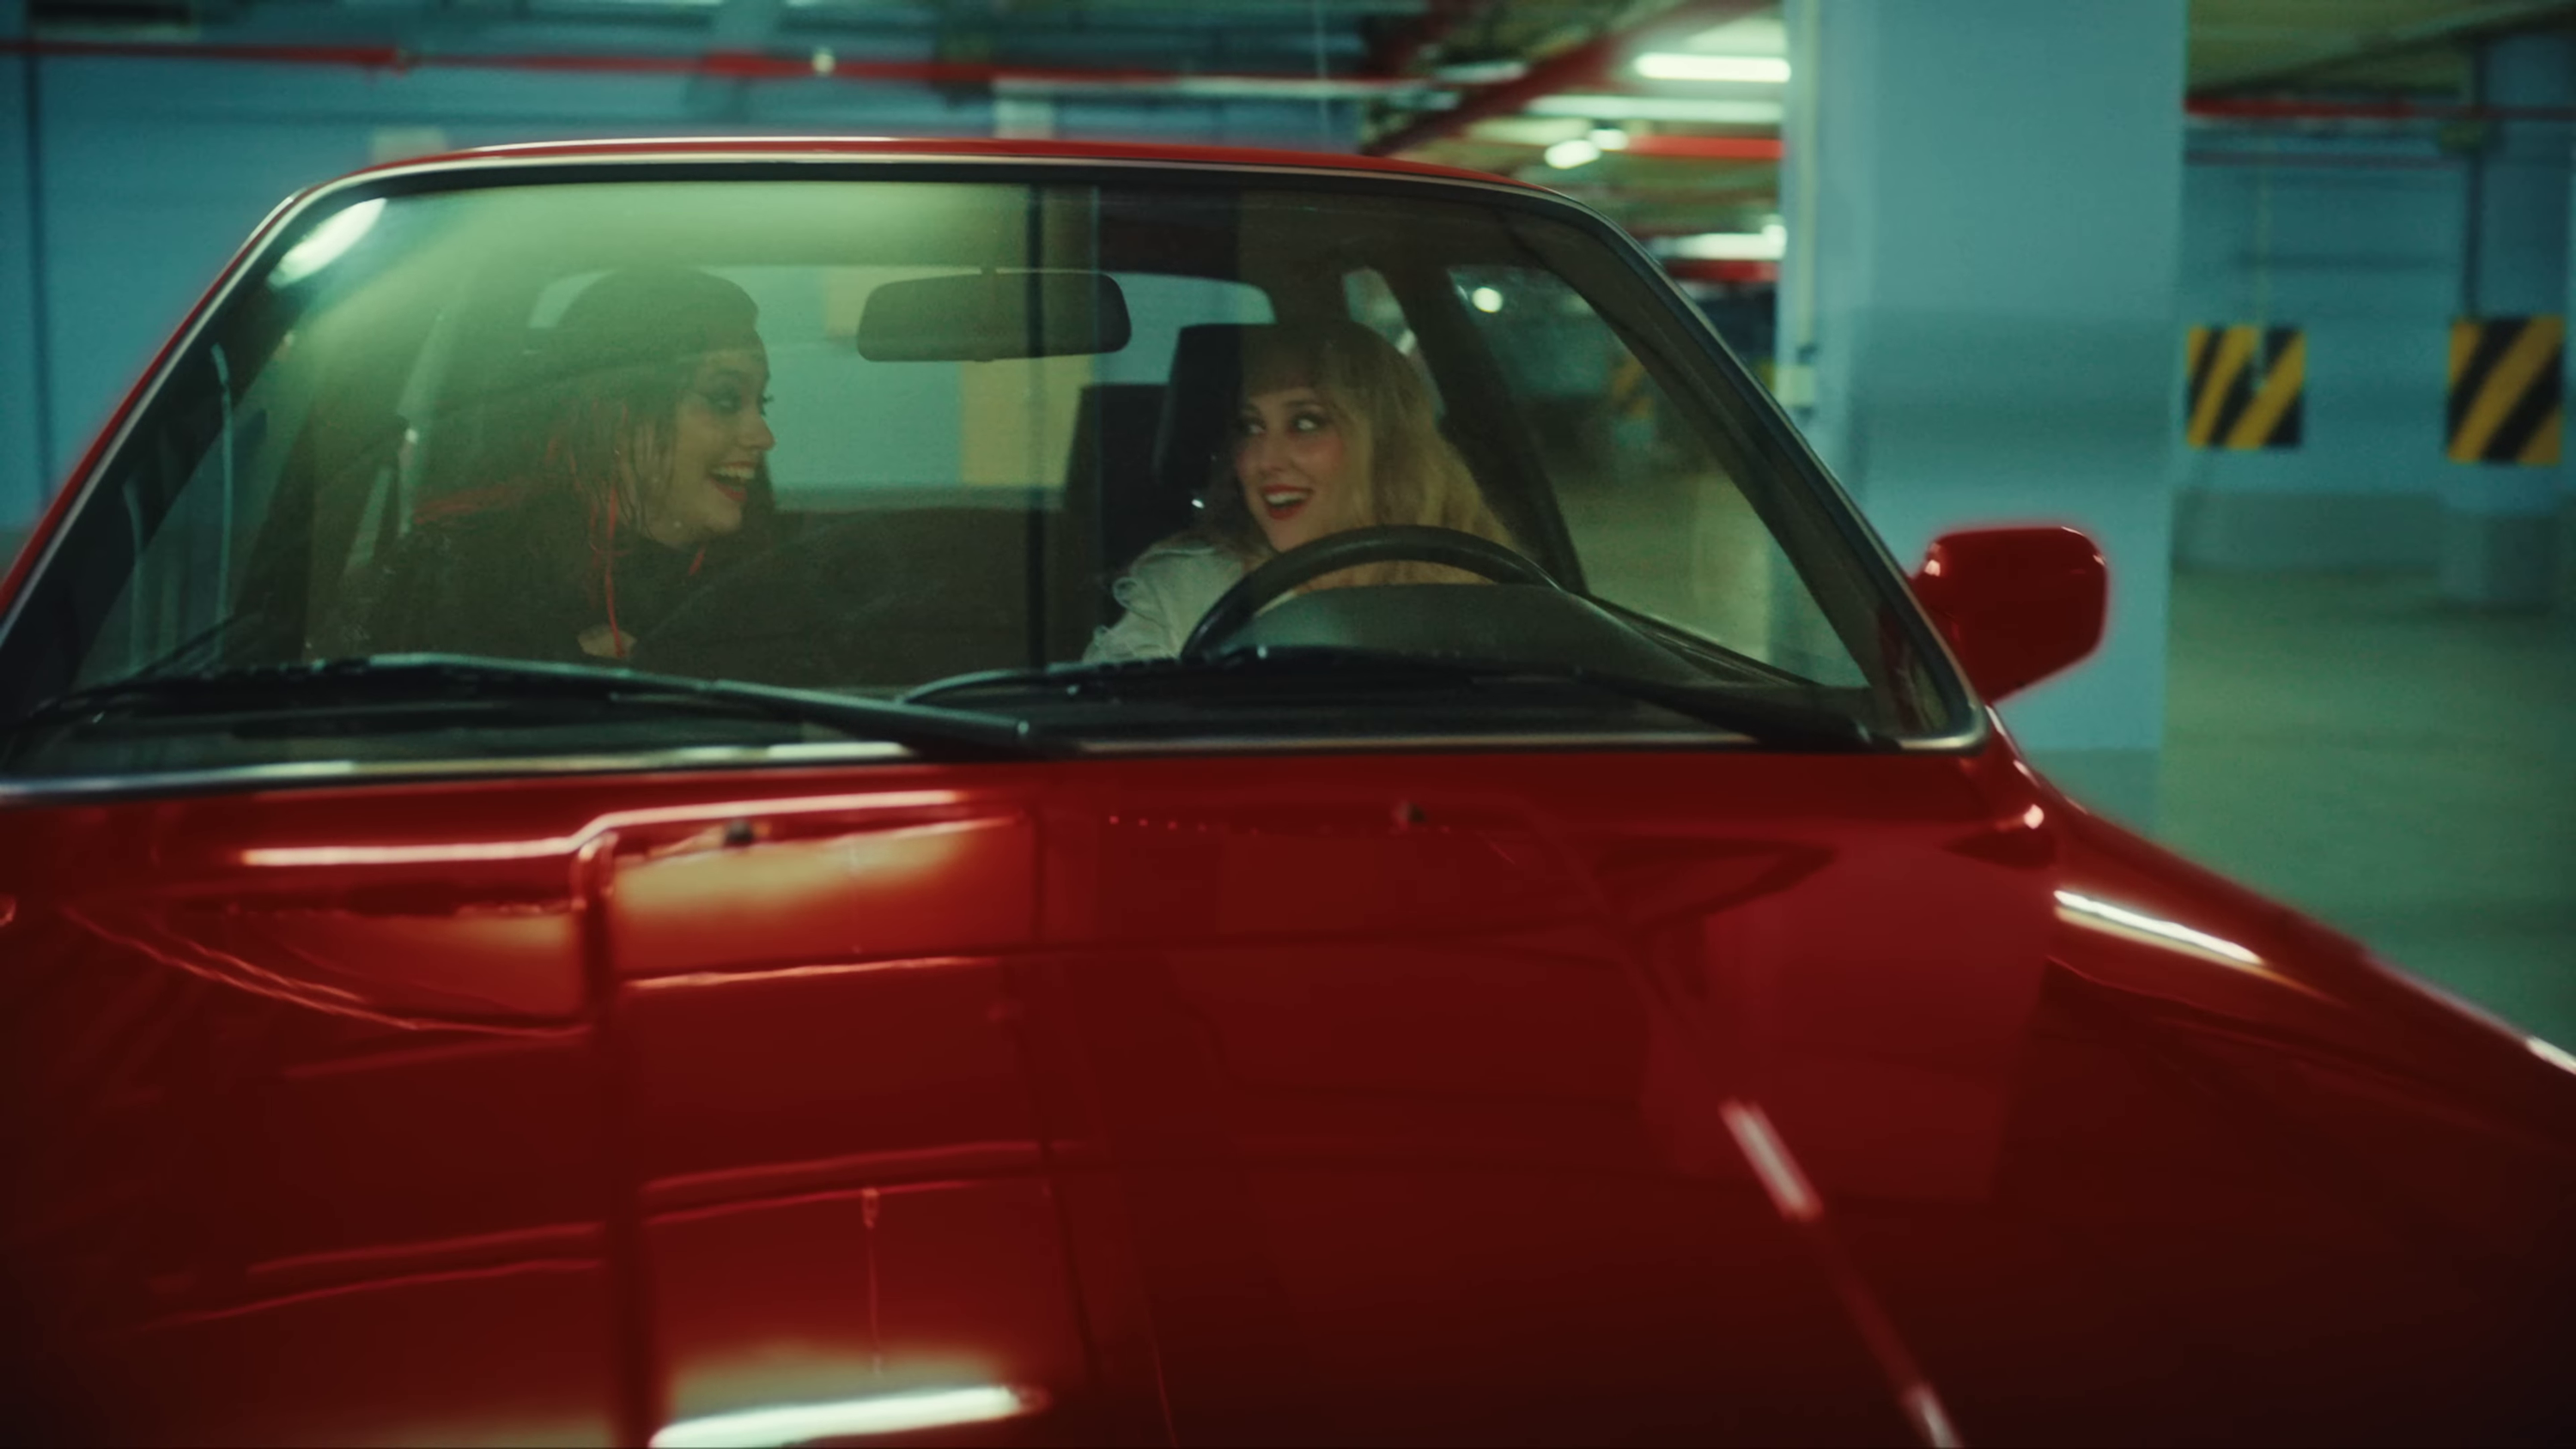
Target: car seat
{"x": 1108, "y": 514}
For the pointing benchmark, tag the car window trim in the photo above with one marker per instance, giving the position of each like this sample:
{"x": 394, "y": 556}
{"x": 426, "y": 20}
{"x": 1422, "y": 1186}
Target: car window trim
{"x": 33, "y": 790}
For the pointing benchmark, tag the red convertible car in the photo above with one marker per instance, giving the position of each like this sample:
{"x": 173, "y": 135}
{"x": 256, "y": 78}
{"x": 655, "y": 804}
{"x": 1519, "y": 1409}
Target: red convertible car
{"x": 755, "y": 792}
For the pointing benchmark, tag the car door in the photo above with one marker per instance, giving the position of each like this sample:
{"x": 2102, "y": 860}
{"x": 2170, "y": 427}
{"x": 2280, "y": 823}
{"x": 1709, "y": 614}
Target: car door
{"x": 840, "y": 1184}
{"x": 304, "y": 1123}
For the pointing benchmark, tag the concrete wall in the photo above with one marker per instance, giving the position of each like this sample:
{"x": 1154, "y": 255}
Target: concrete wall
{"x": 2359, "y": 243}
{"x": 2374, "y": 241}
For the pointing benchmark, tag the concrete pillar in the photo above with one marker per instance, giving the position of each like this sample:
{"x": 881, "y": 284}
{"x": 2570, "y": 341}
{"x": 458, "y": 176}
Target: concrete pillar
{"x": 1978, "y": 308}
{"x": 2500, "y": 521}
{"x": 26, "y": 469}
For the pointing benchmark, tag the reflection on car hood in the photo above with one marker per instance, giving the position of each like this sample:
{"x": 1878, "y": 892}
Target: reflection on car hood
{"x": 1647, "y": 1097}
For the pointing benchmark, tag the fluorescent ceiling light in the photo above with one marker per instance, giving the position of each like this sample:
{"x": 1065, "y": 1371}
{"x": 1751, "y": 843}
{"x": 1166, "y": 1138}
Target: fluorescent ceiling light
{"x": 1482, "y": 72}
{"x": 846, "y": 1418}
{"x": 1528, "y": 130}
{"x": 1676, "y": 65}
{"x": 326, "y": 242}
{"x": 1566, "y": 155}
{"x": 1658, "y": 108}
{"x": 1769, "y": 244}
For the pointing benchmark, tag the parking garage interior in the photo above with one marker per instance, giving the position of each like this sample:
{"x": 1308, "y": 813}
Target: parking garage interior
{"x": 2267, "y": 296}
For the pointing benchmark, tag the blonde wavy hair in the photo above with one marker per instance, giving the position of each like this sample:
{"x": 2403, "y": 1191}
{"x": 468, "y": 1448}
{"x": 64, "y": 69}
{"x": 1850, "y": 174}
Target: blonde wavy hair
{"x": 1411, "y": 474}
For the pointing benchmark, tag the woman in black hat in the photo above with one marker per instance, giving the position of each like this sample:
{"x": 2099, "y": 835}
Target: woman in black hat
{"x": 639, "y": 473}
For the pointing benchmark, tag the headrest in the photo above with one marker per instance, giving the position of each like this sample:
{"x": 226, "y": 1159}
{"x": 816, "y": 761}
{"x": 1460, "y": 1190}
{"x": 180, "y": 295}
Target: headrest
{"x": 1198, "y": 408}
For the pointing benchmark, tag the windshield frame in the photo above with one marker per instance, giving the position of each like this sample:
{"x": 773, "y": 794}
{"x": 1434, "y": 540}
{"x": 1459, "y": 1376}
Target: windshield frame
{"x": 1759, "y": 427}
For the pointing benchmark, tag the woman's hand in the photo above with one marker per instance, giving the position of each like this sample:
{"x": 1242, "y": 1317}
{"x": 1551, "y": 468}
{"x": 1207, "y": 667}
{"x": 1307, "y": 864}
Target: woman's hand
{"x": 601, "y": 641}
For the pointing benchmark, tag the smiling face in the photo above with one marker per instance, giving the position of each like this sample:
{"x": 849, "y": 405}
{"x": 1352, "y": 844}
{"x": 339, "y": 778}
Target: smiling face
{"x": 1293, "y": 456}
{"x": 718, "y": 437}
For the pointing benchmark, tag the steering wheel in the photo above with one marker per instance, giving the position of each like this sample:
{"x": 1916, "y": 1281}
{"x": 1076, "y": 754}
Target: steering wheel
{"x": 1351, "y": 548}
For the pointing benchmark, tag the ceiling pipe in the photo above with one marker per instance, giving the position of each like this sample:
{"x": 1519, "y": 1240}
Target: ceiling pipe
{"x": 1574, "y": 69}
{"x": 2330, "y": 160}
{"x": 1663, "y": 146}
{"x": 738, "y": 65}
{"x": 1697, "y": 269}
{"x": 2256, "y": 108}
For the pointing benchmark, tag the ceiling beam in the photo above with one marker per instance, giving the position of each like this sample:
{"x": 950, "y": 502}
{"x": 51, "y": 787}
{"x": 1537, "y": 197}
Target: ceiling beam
{"x": 2371, "y": 45}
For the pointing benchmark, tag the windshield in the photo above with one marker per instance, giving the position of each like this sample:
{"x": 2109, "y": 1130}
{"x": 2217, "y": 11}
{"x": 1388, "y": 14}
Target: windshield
{"x": 1034, "y": 447}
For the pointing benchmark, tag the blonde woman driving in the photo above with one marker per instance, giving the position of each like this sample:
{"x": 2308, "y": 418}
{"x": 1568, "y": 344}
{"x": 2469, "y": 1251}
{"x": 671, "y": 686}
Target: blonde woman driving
{"x": 1333, "y": 431}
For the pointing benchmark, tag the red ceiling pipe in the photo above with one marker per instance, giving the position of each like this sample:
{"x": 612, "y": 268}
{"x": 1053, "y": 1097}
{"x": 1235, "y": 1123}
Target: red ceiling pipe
{"x": 2260, "y": 108}
{"x": 1721, "y": 269}
{"x": 1705, "y": 148}
{"x": 1579, "y": 67}
{"x": 723, "y": 64}
{"x": 2323, "y": 159}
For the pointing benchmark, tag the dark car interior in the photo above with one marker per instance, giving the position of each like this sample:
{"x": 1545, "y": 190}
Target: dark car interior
{"x": 1002, "y": 578}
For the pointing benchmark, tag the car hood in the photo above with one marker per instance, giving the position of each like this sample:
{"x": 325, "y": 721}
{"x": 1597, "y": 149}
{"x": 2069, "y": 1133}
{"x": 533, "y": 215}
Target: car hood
{"x": 1627, "y": 1097}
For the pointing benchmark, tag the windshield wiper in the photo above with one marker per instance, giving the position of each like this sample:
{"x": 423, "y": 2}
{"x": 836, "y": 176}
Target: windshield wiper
{"x": 458, "y": 678}
{"x": 1771, "y": 722}
{"x": 192, "y": 654}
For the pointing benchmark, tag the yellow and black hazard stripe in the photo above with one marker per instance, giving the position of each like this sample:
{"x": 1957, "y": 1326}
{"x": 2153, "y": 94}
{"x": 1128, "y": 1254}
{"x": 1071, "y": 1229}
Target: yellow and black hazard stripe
{"x": 2248, "y": 386}
{"x": 2505, "y": 382}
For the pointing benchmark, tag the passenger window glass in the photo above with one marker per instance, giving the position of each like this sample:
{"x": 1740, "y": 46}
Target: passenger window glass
{"x": 1659, "y": 523}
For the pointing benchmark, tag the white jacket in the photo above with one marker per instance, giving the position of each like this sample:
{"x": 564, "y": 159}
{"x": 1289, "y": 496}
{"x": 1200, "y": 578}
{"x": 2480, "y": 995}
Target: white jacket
{"x": 1164, "y": 592}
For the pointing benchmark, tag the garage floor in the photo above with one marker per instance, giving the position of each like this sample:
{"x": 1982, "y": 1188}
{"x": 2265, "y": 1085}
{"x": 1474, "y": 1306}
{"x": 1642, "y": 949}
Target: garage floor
{"x": 2400, "y": 769}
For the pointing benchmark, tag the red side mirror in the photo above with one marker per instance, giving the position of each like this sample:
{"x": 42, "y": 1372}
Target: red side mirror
{"x": 2017, "y": 604}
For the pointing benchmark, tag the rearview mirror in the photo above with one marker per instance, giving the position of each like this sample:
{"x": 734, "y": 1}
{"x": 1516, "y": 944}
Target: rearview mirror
{"x": 2016, "y": 604}
{"x": 986, "y": 316}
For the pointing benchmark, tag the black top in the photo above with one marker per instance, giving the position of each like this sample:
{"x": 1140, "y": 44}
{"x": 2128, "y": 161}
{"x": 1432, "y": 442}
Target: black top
{"x": 516, "y": 582}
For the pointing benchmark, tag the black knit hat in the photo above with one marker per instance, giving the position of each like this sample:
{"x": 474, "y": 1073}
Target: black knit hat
{"x": 649, "y": 317}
